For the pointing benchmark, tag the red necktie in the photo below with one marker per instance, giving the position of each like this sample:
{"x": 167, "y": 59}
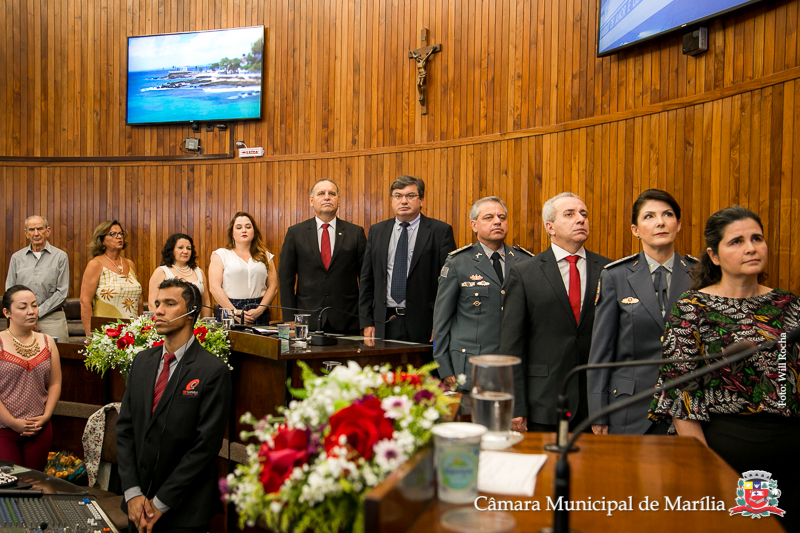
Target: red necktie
{"x": 574, "y": 286}
{"x": 325, "y": 247}
{"x": 161, "y": 382}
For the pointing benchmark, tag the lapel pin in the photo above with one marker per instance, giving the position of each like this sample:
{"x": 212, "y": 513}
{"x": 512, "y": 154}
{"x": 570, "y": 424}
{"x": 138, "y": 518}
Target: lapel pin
{"x": 476, "y": 277}
{"x": 478, "y": 255}
{"x": 483, "y": 283}
{"x": 630, "y": 300}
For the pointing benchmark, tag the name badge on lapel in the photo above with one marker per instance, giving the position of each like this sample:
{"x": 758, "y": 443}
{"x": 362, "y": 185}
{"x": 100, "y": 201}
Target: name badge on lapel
{"x": 189, "y": 390}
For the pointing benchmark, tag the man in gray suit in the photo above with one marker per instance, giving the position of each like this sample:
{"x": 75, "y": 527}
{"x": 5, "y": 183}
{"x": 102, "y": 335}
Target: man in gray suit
{"x": 548, "y": 316}
{"x": 468, "y": 310}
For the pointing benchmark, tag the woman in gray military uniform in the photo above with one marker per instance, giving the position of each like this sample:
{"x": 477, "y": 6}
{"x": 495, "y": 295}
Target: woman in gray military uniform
{"x": 634, "y": 299}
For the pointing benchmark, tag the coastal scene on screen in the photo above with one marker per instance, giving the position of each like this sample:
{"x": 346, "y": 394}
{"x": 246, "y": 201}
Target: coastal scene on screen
{"x": 198, "y": 76}
{"x": 623, "y": 22}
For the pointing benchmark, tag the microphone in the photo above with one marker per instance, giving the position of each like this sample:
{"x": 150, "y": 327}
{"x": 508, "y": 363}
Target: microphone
{"x": 562, "y": 409}
{"x": 179, "y": 317}
{"x": 732, "y": 354}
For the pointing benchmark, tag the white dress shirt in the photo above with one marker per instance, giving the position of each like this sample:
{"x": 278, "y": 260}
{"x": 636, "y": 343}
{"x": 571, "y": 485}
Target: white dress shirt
{"x": 563, "y": 266}
{"x": 331, "y": 233}
{"x": 395, "y": 238}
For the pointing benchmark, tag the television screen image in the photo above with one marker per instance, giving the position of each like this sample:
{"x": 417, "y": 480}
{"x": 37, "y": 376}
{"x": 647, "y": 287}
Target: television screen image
{"x": 195, "y": 77}
{"x": 624, "y": 22}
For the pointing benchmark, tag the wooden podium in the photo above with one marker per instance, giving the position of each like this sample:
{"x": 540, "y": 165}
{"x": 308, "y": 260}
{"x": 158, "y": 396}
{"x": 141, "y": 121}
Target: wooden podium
{"x": 613, "y": 467}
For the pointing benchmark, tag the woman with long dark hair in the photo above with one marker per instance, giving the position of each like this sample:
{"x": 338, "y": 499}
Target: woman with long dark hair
{"x": 634, "y": 299}
{"x": 179, "y": 260}
{"x": 748, "y": 412}
{"x": 242, "y": 275}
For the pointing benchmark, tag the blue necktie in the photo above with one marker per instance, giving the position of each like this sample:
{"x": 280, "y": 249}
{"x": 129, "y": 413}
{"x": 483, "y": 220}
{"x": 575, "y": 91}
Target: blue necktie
{"x": 400, "y": 269}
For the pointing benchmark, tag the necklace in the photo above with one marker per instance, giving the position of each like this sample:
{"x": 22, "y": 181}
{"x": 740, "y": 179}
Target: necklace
{"x": 120, "y": 267}
{"x": 186, "y": 271}
{"x": 25, "y": 350}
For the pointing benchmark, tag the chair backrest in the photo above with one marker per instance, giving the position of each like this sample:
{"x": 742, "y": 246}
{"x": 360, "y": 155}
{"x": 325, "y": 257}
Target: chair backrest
{"x": 109, "y": 451}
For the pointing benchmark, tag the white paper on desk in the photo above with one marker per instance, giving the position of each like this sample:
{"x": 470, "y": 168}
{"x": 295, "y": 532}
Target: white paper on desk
{"x": 513, "y": 474}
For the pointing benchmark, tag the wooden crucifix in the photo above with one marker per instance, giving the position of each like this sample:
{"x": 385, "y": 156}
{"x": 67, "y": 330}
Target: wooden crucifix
{"x": 421, "y": 55}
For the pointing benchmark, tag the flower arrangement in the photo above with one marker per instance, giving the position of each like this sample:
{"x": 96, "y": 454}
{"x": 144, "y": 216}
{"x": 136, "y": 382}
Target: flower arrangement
{"x": 117, "y": 344}
{"x": 310, "y": 470}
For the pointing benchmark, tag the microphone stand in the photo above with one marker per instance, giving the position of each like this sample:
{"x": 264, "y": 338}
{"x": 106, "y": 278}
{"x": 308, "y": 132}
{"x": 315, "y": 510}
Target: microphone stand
{"x": 562, "y": 409}
{"x": 320, "y": 338}
{"x": 732, "y": 354}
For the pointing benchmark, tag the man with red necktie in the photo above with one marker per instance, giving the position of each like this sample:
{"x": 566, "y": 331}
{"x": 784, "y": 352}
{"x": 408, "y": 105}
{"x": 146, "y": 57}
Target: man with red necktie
{"x": 548, "y": 316}
{"x": 320, "y": 263}
{"x": 172, "y": 421}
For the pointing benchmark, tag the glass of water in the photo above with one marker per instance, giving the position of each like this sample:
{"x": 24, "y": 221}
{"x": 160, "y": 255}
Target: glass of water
{"x": 492, "y": 398}
{"x": 228, "y": 316}
{"x": 301, "y": 327}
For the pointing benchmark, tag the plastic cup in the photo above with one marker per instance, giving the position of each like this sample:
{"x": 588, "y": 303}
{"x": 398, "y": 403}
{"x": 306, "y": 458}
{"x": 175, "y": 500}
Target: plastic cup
{"x": 457, "y": 446}
{"x": 283, "y": 331}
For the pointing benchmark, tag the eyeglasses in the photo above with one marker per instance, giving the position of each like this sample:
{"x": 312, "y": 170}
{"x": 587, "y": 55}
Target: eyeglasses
{"x": 410, "y": 196}
{"x": 115, "y": 234}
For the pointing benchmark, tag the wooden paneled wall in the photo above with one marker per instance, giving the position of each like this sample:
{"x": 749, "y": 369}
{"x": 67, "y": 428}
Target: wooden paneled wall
{"x": 518, "y": 107}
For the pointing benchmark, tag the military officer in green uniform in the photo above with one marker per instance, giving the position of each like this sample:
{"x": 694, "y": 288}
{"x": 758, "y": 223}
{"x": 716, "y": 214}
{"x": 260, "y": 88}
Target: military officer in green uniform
{"x": 469, "y": 302}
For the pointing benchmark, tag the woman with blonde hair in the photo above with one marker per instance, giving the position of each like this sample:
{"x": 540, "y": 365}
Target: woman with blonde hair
{"x": 242, "y": 275}
{"x": 109, "y": 287}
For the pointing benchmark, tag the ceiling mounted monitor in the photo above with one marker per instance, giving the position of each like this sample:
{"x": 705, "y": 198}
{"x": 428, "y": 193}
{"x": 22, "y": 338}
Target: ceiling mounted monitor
{"x": 199, "y": 76}
{"x": 624, "y": 23}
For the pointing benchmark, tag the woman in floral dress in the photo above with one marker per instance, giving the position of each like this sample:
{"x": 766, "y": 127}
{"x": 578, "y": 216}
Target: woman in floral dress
{"x": 109, "y": 287}
{"x": 747, "y": 412}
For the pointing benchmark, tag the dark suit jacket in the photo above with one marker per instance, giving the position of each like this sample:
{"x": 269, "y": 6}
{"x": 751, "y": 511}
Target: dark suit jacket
{"x": 434, "y": 241}
{"x": 539, "y": 327}
{"x": 628, "y": 326}
{"x": 171, "y": 453}
{"x": 305, "y": 283}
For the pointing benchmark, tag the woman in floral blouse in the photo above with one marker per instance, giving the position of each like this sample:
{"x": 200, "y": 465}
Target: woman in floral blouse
{"x": 746, "y": 412}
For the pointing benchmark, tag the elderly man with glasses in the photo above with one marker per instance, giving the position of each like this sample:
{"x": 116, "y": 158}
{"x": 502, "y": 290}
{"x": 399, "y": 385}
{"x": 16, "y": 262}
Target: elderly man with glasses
{"x": 45, "y": 270}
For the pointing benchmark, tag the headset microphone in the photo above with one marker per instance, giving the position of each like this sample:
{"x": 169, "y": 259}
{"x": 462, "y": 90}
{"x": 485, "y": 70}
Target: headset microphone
{"x": 183, "y": 315}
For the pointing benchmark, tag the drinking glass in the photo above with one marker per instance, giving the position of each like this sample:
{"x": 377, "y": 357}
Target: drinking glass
{"x": 148, "y": 315}
{"x": 301, "y": 327}
{"x": 228, "y": 315}
{"x": 492, "y": 398}
{"x": 330, "y": 365}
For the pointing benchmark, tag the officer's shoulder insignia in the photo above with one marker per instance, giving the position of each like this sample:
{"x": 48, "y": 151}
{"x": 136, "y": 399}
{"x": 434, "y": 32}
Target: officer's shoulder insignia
{"x": 523, "y": 250}
{"x": 620, "y": 261}
{"x": 692, "y": 258}
{"x": 454, "y": 252}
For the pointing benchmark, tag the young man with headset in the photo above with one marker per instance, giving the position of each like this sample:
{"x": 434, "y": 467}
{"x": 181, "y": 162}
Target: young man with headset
{"x": 172, "y": 421}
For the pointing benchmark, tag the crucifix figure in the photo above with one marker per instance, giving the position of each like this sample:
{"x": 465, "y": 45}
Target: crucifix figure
{"x": 421, "y": 55}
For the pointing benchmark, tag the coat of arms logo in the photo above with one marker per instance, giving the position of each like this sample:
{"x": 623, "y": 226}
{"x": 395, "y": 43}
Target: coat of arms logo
{"x": 757, "y": 495}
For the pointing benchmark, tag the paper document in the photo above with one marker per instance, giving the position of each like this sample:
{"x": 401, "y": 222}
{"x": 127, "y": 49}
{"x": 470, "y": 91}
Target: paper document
{"x": 509, "y": 473}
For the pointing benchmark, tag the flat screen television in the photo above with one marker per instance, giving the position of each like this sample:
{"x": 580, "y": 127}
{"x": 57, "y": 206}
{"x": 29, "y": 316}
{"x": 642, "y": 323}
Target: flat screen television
{"x": 623, "y": 23}
{"x": 198, "y": 76}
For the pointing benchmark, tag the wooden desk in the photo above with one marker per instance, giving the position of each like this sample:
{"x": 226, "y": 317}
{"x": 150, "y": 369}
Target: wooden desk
{"x": 262, "y": 366}
{"x": 617, "y": 467}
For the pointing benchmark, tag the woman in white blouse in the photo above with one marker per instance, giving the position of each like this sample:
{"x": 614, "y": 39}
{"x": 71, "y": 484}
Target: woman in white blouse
{"x": 179, "y": 260}
{"x": 242, "y": 275}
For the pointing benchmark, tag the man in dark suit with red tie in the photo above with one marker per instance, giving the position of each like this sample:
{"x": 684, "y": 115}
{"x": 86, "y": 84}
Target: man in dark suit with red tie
{"x": 548, "y": 316}
{"x": 320, "y": 263}
{"x": 399, "y": 277}
{"x": 172, "y": 421}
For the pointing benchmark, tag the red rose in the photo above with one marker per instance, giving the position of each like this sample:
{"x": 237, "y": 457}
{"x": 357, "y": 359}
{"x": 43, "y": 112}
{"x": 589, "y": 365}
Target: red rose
{"x": 290, "y": 450}
{"x": 200, "y": 333}
{"x": 145, "y": 328}
{"x": 158, "y": 343}
{"x": 403, "y": 377}
{"x": 114, "y": 332}
{"x": 363, "y": 424}
{"x": 125, "y": 341}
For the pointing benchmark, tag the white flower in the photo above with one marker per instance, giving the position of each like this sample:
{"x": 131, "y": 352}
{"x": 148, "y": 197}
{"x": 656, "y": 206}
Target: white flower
{"x": 462, "y": 378}
{"x": 388, "y": 455}
{"x": 396, "y": 406}
{"x": 275, "y": 507}
{"x": 431, "y": 414}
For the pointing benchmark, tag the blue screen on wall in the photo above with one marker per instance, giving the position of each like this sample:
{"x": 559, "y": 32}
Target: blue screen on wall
{"x": 195, "y": 77}
{"x": 625, "y": 22}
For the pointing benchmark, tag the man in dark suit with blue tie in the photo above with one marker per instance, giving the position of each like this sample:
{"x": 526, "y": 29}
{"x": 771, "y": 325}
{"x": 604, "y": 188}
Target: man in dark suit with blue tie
{"x": 401, "y": 266}
{"x": 548, "y": 316}
{"x": 320, "y": 263}
{"x": 172, "y": 421}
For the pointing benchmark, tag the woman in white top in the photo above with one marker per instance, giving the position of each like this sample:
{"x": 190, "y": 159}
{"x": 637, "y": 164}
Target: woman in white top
{"x": 242, "y": 275}
{"x": 179, "y": 260}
